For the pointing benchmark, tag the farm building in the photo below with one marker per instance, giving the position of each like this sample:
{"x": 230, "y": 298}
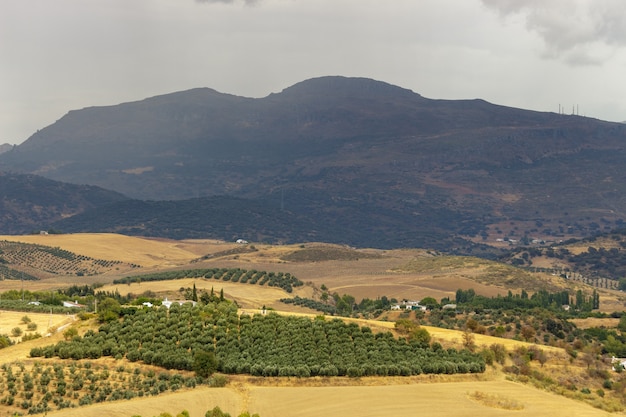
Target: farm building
{"x": 73, "y": 304}
{"x": 167, "y": 303}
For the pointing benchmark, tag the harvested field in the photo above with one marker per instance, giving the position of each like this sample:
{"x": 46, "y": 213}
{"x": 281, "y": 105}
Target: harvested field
{"x": 50, "y": 326}
{"x": 145, "y": 252}
{"x": 440, "y": 399}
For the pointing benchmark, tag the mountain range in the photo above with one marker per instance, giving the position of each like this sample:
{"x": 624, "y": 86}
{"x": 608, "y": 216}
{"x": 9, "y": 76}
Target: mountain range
{"x": 347, "y": 160}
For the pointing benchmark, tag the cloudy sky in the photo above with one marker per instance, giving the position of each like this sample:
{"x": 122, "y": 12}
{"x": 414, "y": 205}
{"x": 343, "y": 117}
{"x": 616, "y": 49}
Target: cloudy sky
{"x": 60, "y": 55}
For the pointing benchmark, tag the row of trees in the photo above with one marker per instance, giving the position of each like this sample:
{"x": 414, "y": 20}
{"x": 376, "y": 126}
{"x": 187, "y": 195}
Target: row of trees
{"x": 344, "y": 305}
{"x": 541, "y": 298}
{"x": 285, "y": 281}
{"x": 270, "y": 345}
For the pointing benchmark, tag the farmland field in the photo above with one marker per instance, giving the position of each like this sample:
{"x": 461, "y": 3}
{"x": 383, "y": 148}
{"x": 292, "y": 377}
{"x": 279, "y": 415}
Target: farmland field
{"x": 403, "y": 274}
{"x": 44, "y": 322}
{"x": 439, "y": 398}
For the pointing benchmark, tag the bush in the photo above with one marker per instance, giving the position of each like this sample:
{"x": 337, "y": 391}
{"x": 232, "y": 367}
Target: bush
{"x": 31, "y": 336}
{"x": 70, "y": 333}
{"x": 499, "y": 352}
{"x": 217, "y": 381}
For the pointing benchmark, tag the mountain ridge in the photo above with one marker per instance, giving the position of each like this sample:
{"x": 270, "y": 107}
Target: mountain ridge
{"x": 360, "y": 152}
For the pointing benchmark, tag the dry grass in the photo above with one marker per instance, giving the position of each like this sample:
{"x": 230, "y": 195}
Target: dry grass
{"x": 439, "y": 399}
{"x": 609, "y": 323}
{"x": 46, "y": 323}
{"x": 141, "y": 251}
{"x": 319, "y": 253}
{"x": 496, "y": 401}
{"x": 438, "y": 264}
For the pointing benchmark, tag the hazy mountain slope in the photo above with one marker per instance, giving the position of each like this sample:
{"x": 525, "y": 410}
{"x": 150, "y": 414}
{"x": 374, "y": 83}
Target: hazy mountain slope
{"x": 378, "y": 160}
{"x": 230, "y": 218}
{"x": 30, "y": 202}
{"x": 5, "y": 147}
{"x": 201, "y": 142}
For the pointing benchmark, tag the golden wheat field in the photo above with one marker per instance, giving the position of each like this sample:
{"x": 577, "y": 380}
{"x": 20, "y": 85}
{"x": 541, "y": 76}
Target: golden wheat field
{"x": 440, "y": 399}
{"x": 45, "y": 323}
{"x": 410, "y": 274}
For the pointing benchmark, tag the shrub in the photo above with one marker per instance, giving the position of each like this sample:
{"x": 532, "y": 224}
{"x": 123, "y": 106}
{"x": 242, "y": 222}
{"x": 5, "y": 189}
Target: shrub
{"x": 499, "y": 352}
{"x": 70, "y": 333}
{"x": 31, "y": 336}
{"x": 217, "y": 380}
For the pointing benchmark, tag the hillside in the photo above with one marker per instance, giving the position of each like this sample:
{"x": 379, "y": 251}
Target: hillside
{"x": 598, "y": 260}
{"x": 5, "y": 147}
{"x": 32, "y": 203}
{"x": 345, "y": 160}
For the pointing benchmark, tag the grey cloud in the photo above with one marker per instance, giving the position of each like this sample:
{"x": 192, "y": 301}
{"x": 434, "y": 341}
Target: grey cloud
{"x": 246, "y": 2}
{"x": 581, "y": 32}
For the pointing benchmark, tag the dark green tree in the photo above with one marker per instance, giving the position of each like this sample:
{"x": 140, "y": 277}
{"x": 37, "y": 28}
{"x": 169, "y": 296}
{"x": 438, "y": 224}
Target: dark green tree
{"x": 109, "y": 309}
{"x": 204, "y": 363}
{"x": 595, "y": 300}
{"x": 429, "y": 302}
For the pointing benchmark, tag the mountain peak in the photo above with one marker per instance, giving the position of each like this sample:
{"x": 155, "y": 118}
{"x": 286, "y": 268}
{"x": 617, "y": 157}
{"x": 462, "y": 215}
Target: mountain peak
{"x": 346, "y": 86}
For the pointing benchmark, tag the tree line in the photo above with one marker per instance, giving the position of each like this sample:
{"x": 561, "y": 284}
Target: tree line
{"x": 542, "y": 298}
{"x": 286, "y": 281}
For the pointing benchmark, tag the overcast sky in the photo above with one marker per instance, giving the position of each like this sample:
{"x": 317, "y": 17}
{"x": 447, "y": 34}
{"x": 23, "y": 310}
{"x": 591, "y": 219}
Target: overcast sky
{"x": 61, "y": 55}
